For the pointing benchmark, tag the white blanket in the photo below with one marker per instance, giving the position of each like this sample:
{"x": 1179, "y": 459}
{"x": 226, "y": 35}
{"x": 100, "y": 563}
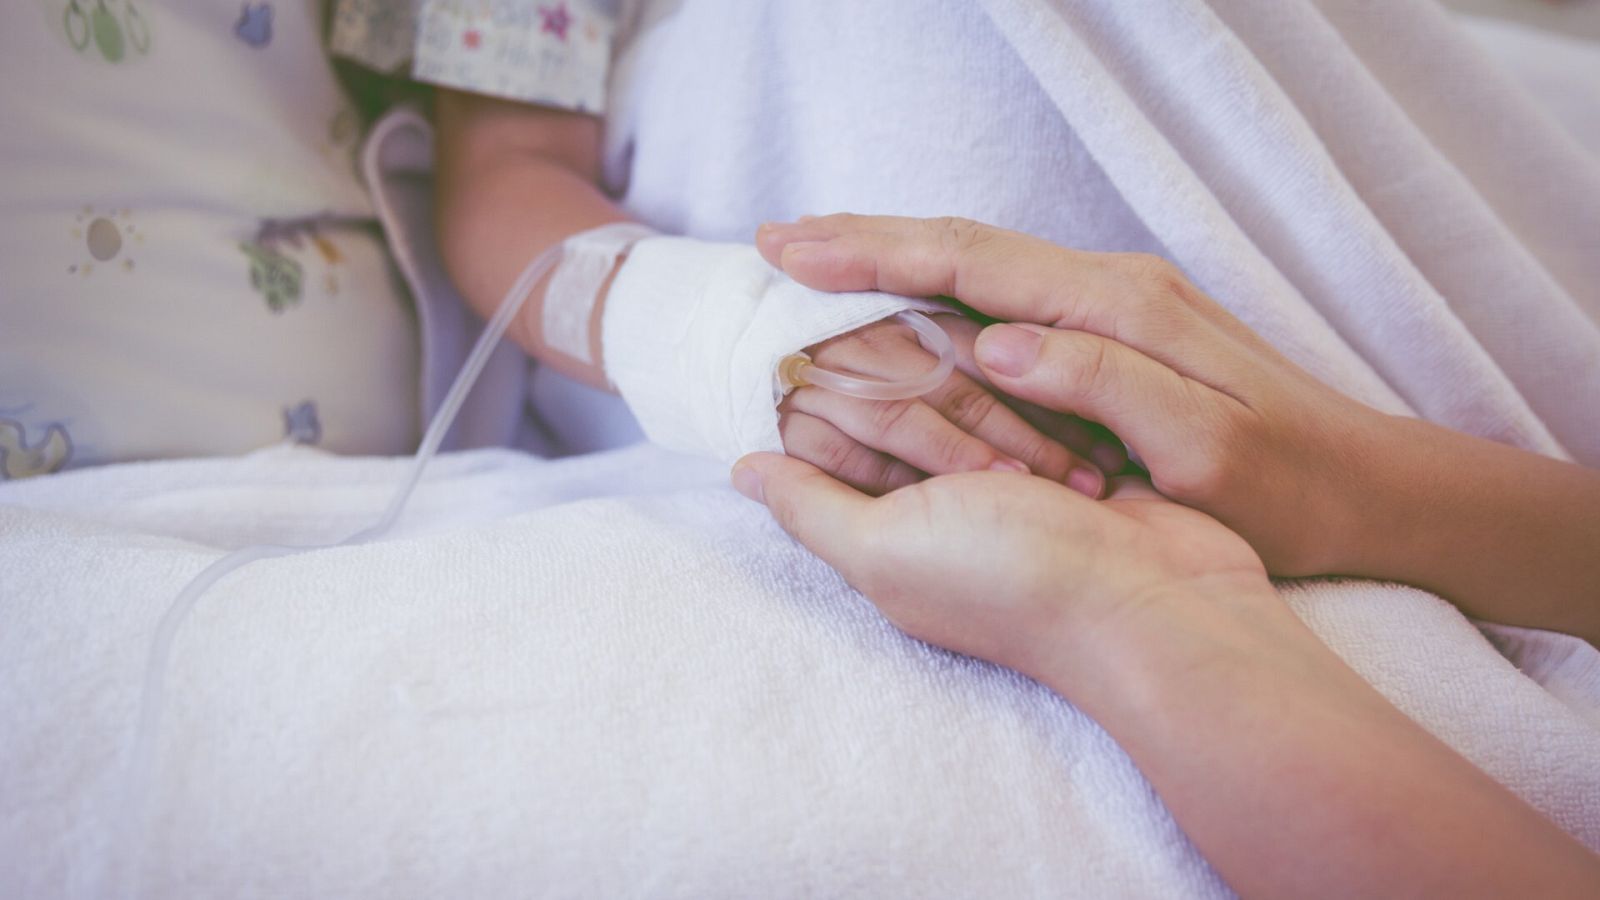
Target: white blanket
{"x": 604, "y": 676}
{"x": 611, "y": 675}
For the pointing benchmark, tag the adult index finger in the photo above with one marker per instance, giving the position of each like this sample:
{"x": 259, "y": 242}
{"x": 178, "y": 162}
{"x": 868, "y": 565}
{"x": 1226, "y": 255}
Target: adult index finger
{"x": 1005, "y": 274}
{"x": 1170, "y": 421}
{"x": 1142, "y": 301}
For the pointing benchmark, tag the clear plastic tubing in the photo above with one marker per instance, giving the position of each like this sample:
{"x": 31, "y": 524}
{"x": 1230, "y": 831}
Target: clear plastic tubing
{"x": 798, "y": 370}
{"x": 124, "y": 862}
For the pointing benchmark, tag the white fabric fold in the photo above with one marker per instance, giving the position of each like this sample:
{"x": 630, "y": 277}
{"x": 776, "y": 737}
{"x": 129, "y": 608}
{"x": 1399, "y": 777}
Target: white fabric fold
{"x": 1296, "y": 171}
{"x": 602, "y": 676}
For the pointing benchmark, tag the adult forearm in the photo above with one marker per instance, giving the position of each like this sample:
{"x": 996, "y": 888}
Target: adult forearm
{"x": 1295, "y": 778}
{"x": 1504, "y": 534}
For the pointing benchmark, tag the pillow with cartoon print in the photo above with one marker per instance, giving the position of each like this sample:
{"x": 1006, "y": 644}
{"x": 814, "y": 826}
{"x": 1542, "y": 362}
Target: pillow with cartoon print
{"x": 187, "y": 264}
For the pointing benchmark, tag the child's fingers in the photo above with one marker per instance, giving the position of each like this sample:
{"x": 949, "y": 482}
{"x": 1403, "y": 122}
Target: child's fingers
{"x": 977, "y": 412}
{"x": 909, "y": 430}
{"x": 1087, "y": 439}
{"x": 823, "y": 445}
{"x": 885, "y": 350}
{"x": 959, "y": 427}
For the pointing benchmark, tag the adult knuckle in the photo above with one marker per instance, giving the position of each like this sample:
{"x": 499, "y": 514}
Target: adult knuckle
{"x": 1159, "y": 301}
{"x": 1159, "y": 280}
{"x": 1083, "y": 365}
{"x": 958, "y": 234}
{"x": 1207, "y": 470}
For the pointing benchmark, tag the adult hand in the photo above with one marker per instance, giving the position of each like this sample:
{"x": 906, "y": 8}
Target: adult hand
{"x": 1223, "y": 422}
{"x": 1010, "y": 568}
{"x": 1317, "y": 483}
{"x": 1291, "y": 774}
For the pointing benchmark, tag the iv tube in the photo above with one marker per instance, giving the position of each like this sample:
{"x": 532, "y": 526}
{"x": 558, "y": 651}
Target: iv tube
{"x": 797, "y": 370}
{"x": 130, "y": 820}
{"x": 144, "y": 768}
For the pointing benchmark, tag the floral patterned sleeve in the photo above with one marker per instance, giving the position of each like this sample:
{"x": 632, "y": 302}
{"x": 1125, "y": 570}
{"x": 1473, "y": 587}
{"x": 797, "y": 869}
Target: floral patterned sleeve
{"x": 552, "y": 52}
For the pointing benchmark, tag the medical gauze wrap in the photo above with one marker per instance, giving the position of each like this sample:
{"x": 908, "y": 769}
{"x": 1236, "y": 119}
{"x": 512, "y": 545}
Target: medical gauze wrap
{"x": 693, "y": 333}
{"x": 586, "y": 262}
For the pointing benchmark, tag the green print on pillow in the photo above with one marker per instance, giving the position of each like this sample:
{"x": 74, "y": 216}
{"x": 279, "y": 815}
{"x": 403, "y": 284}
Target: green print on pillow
{"x": 281, "y": 279}
{"x": 22, "y": 458}
{"x": 275, "y": 276}
{"x": 113, "y": 35}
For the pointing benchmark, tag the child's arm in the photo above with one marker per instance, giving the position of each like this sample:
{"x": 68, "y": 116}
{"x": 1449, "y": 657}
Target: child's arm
{"x": 515, "y": 179}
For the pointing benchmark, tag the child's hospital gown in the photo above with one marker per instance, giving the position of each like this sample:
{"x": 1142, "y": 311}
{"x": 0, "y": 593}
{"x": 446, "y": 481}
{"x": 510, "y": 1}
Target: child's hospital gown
{"x": 722, "y": 114}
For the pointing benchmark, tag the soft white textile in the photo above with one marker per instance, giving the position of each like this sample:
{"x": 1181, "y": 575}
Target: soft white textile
{"x": 1561, "y": 72}
{"x": 600, "y": 676}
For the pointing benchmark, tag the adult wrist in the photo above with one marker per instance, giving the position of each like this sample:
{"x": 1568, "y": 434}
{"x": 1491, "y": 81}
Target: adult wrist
{"x": 1136, "y": 654}
{"x": 1365, "y": 498}
{"x": 1399, "y": 465}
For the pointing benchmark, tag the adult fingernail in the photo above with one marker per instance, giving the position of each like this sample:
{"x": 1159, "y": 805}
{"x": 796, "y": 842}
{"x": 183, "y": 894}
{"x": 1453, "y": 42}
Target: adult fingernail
{"x": 800, "y": 249}
{"x": 1009, "y": 465}
{"x": 747, "y": 481}
{"x": 1087, "y": 482}
{"x": 1007, "y": 349}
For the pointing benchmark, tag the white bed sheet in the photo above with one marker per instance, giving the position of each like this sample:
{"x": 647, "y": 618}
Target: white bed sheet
{"x": 609, "y": 675}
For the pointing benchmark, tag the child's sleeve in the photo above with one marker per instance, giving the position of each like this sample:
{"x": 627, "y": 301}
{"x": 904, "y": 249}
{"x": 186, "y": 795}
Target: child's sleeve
{"x": 551, "y": 52}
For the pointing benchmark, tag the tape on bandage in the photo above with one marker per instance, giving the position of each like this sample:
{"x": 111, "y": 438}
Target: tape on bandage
{"x": 587, "y": 260}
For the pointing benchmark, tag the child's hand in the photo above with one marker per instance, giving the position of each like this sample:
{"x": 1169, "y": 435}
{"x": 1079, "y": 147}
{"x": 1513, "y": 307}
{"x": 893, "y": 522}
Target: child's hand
{"x": 962, "y": 426}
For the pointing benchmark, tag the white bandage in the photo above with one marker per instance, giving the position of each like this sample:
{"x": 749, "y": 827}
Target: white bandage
{"x": 694, "y": 332}
{"x": 586, "y": 262}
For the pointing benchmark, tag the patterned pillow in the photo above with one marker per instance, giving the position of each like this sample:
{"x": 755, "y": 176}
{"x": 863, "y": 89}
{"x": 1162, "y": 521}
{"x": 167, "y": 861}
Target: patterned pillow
{"x": 187, "y": 264}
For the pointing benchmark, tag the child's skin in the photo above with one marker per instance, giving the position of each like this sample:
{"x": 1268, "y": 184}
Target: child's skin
{"x": 515, "y": 179}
